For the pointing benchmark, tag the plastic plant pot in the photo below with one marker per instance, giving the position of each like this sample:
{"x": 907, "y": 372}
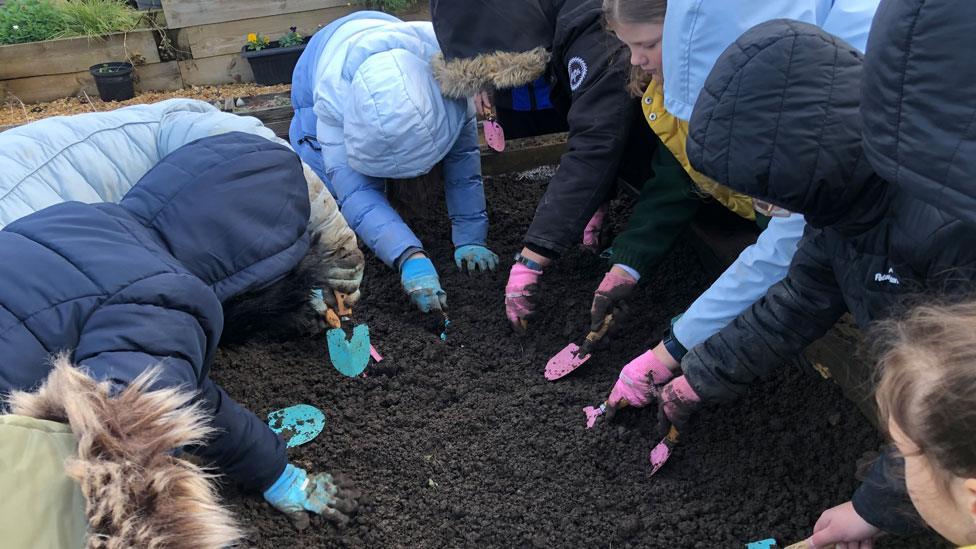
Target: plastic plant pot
{"x": 273, "y": 65}
{"x": 114, "y": 80}
{"x": 149, "y": 4}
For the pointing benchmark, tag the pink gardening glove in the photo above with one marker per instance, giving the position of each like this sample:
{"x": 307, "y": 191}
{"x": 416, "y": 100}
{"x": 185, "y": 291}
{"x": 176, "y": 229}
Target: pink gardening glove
{"x": 593, "y": 233}
{"x": 523, "y": 283}
{"x": 638, "y": 381}
{"x": 609, "y": 298}
{"x": 678, "y": 401}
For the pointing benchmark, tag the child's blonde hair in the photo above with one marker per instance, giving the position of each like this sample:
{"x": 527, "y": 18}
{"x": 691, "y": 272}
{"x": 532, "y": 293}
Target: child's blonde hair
{"x": 635, "y": 12}
{"x": 928, "y": 383}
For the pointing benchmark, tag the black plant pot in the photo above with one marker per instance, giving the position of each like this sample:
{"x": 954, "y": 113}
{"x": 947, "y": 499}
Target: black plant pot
{"x": 149, "y": 4}
{"x": 273, "y": 65}
{"x": 114, "y": 80}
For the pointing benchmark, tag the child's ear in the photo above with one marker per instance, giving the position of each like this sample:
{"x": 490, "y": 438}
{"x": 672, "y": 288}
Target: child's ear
{"x": 970, "y": 485}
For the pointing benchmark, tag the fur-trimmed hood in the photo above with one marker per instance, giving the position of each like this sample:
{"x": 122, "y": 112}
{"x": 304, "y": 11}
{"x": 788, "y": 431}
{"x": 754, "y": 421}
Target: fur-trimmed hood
{"x": 137, "y": 493}
{"x": 492, "y": 43}
{"x": 464, "y": 77}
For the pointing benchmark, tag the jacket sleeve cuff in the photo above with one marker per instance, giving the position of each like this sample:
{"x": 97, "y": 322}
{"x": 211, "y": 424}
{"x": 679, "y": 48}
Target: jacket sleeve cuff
{"x": 544, "y": 252}
{"x": 882, "y": 499}
{"x": 634, "y": 259}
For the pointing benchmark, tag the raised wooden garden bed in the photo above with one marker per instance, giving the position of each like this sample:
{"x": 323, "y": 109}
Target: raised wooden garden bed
{"x": 213, "y": 32}
{"x": 44, "y": 71}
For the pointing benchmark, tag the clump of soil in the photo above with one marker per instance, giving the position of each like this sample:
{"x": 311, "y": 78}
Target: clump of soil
{"x": 464, "y": 443}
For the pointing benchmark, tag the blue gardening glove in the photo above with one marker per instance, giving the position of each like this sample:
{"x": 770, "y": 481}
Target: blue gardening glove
{"x": 295, "y": 492}
{"x": 475, "y": 257}
{"x": 419, "y": 279}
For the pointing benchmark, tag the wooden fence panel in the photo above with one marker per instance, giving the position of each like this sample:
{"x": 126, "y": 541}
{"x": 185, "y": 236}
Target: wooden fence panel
{"x": 190, "y": 13}
{"x": 224, "y": 38}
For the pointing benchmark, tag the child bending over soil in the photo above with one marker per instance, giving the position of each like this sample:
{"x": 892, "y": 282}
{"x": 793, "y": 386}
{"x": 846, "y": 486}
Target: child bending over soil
{"x": 131, "y": 295}
{"x": 367, "y": 109}
{"x": 695, "y": 34}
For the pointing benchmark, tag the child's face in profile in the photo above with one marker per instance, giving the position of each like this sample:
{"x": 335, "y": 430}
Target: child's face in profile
{"x": 950, "y": 510}
{"x": 644, "y": 41}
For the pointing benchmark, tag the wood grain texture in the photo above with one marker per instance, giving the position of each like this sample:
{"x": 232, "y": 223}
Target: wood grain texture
{"x": 224, "y": 38}
{"x": 190, "y": 13}
{"x": 159, "y": 77}
{"x": 69, "y": 55}
{"x": 212, "y": 71}
{"x": 35, "y": 89}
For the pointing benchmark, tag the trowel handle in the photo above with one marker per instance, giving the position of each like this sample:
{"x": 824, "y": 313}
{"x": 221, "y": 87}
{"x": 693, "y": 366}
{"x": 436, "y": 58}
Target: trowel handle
{"x": 341, "y": 303}
{"x": 332, "y": 319}
{"x": 672, "y": 435}
{"x": 593, "y": 337}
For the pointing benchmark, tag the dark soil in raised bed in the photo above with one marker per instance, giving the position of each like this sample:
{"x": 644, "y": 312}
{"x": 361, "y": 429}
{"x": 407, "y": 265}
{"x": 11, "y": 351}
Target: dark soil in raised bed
{"x": 463, "y": 443}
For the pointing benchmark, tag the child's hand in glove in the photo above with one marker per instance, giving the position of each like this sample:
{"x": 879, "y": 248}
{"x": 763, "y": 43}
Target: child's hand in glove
{"x": 295, "y": 492}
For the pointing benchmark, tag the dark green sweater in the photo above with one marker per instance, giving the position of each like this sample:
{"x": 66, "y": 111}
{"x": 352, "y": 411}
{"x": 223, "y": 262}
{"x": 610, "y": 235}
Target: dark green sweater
{"x": 667, "y": 203}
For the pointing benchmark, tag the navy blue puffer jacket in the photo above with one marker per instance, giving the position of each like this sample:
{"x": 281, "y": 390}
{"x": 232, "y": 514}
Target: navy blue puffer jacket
{"x": 126, "y": 286}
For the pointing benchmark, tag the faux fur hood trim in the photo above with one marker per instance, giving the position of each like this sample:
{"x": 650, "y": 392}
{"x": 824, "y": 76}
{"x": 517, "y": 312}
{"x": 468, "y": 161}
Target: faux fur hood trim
{"x": 137, "y": 493}
{"x": 465, "y": 76}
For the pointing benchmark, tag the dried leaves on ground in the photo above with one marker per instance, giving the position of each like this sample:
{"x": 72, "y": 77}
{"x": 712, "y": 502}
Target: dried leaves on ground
{"x": 13, "y": 112}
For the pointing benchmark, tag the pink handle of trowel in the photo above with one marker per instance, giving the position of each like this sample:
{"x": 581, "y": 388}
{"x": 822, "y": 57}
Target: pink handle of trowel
{"x": 375, "y": 354}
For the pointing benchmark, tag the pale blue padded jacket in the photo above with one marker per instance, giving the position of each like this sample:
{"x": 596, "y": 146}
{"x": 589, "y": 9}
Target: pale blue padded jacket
{"x": 367, "y": 108}
{"x": 696, "y": 32}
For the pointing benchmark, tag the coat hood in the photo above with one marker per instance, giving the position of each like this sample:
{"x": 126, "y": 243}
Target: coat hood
{"x": 137, "y": 493}
{"x": 200, "y": 199}
{"x": 492, "y": 43}
{"x": 918, "y": 112}
{"x": 397, "y": 124}
{"x": 778, "y": 120}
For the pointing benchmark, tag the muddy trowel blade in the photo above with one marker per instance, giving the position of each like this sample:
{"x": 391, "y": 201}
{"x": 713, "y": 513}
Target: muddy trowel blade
{"x": 565, "y": 362}
{"x": 297, "y": 424}
{"x": 349, "y": 357}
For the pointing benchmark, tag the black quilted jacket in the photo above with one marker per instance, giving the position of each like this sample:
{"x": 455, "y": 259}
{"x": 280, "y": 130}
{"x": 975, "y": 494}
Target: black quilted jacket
{"x": 780, "y": 118}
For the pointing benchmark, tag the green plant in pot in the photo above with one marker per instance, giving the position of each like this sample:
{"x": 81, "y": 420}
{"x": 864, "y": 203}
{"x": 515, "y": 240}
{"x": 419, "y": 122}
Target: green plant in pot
{"x": 273, "y": 62}
{"x": 113, "y": 80}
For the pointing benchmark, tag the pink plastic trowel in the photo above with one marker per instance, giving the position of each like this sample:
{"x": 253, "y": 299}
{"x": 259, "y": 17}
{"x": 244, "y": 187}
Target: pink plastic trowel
{"x": 592, "y": 414}
{"x": 494, "y": 134}
{"x": 573, "y": 356}
{"x": 660, "y": 453}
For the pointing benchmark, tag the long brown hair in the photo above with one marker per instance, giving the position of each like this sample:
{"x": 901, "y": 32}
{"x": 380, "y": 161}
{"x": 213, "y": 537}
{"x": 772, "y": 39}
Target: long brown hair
{"x": 635, "y": 12}
{"x": 928, "y": 382}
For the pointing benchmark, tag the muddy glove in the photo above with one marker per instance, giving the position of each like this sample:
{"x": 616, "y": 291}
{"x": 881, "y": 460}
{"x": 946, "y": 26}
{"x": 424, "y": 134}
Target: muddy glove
{"x": 639, "y": 381}
{"x": 419, "y": 279}
{"x": 475, "y": 257}
{"x": 610, "y": 298}
{"x": 676, "y": 403}
{"x": 520, "y": 293}
{"x": 295, "y": 492}
{"x": 596, "y": 235}
{"x": 344, "y": 273}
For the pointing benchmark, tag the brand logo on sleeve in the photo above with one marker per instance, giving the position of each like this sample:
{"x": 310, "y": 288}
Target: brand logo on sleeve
{"x": 577, "y": 72}
{"x": 890, "y": 277}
